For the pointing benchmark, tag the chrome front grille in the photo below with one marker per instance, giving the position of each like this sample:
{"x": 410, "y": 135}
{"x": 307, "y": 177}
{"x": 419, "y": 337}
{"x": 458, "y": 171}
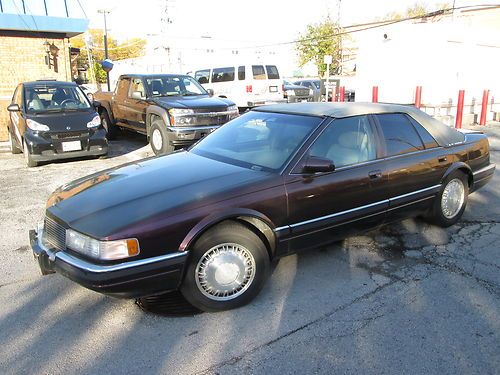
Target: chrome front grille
{"x": 54, "y": 234}
{"x": 301, "y": 92}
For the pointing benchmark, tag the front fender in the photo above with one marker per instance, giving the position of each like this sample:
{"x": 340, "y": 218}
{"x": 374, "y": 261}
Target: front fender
{"x": 157, "y": 111}
{"x": 266, "y": 226}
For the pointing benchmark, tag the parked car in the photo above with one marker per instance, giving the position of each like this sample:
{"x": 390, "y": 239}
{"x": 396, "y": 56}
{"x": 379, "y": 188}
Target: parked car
{"x": 247, "y": 85}
{"x": 279, "y": 179}
{"x": 54, "y": 120}
{"x": 171, "y": 110}
{"x": 296, "y": 93}
{"x": 313, "y": 84}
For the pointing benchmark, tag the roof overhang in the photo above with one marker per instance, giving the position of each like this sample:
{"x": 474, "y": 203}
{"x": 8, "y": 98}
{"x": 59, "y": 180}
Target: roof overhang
{"x": 69, "y": 27}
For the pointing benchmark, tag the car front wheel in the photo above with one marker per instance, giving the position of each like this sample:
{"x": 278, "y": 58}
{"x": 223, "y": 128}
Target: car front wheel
{"x": 27, "y": 156}
{"x": 450, "y": 203}
{"x": 228, "y": 267}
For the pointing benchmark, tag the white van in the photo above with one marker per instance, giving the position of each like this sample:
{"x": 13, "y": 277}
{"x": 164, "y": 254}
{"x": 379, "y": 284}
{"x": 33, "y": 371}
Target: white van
{"x": 246, "y": 85}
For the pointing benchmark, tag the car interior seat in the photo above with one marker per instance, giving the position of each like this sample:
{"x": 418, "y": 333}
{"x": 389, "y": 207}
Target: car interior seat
{"x": 34, "y": 102}
{"x": 350, "y": 148}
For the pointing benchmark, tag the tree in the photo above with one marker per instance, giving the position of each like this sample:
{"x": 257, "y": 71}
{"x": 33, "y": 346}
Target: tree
{"x": 319, "y": 40}
{"x": 416, "y": 10}
{"x": 116, "y": 51}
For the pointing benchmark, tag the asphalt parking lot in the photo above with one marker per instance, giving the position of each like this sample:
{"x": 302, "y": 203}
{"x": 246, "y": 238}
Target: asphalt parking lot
{"x": 410, "y": 298}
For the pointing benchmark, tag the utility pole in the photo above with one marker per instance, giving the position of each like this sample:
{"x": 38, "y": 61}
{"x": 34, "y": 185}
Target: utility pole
{"x": 105, "y": 41}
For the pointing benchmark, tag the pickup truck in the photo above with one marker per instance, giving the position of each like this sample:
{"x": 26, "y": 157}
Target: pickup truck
{"x": 171, "y": 110}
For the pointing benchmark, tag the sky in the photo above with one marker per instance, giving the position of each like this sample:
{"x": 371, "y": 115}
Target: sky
{"x": 250, "y": 21}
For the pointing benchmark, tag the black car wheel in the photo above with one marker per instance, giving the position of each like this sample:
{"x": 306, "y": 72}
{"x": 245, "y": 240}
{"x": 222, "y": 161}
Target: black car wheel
{"x": 13, "y": 147}
{"x": 228, "y": 267}
{"x": 158, "y": 138}
{"x": 106, "y": 123}
{"x": 27, "y": 156}
{"x": 450, "y": 203}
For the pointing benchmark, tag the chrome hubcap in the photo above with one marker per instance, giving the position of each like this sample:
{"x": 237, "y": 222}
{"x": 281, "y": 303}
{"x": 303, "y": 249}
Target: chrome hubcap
{"x": 157, "y": 139}
{"x": 452, "y": 198}
{"x": 225, "y": 272}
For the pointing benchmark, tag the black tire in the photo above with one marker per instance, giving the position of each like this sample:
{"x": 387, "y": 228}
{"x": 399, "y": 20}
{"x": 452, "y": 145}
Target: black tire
{"x": 108, "y": 125}
{"x": 13, "y": 147}
{"x": 27, "y": 156}
{"x": 158, "y": 138}
{"x": 438, "y": 214}
{"x": 238, "y": 242}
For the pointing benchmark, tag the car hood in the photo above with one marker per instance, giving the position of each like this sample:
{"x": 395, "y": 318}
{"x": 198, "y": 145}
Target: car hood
{"x": 104, "y": 203}
{"x": 192, "y": 102}
{"x": 64, "y": 121}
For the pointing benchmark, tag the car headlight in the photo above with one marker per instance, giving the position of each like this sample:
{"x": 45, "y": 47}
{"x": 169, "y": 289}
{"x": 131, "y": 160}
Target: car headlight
{"x": 290, "y": 92}
{"x": 232, "y": 108}
{"x": 103, "y": 250}
{"x": 33, "y": 125}
{"x": 311, "y": 92}
{"x": 180, "y": 112}
{"x": 94, "y": 123}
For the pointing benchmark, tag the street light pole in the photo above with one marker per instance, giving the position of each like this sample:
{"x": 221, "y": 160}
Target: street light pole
{"x": 105, "y": 42}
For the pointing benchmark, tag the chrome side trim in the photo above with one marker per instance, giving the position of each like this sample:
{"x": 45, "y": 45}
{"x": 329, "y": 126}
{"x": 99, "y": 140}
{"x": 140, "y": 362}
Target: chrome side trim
{"x": 97, "y": 268}
{"x": 415, "y": 192}
{"x": 362, "y": 208}
{"x": 484, "y": 169}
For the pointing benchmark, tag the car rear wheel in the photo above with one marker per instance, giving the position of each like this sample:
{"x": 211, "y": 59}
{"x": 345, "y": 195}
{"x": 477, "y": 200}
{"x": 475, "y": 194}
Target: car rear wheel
{"x": 450, "y": 203}
{"x": 13, "y": 147}
{"x": 106, "y": 123}
{"x": 228, "y": 267}
{"x": 158, "y": 138}
{"x": 27, "y": 156}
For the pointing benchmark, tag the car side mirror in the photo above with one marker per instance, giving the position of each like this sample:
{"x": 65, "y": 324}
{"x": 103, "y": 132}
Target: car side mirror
{"x": 13, "y": 108}
{"x": 137, "y": 95}
{"x": 315, "y": 164}
{"x": 210, "y": 92}
{"x": 96, "y": 104}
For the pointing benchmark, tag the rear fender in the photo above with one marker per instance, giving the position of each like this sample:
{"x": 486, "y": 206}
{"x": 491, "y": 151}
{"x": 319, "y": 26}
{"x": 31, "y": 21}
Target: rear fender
{"x": 462, "y": 167}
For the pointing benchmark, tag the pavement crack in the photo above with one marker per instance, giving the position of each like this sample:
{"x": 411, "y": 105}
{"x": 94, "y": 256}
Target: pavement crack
{"x": 238, "y": 358}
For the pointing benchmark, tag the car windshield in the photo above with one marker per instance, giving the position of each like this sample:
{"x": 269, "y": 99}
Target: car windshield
{"x": 54, "y": 98}
{"x": 258, "y": 140}
{"x": 174, "y": 86}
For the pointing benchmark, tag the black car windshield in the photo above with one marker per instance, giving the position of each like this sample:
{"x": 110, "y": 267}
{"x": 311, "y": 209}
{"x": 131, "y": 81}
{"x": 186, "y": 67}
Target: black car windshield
{"x": 54, "y": 98}
{"x": 258, "y": 140}
{"x": 174, "y": 86}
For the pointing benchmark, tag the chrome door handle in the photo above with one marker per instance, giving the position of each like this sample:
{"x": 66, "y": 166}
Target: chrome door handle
{"x": 375, "y": 174}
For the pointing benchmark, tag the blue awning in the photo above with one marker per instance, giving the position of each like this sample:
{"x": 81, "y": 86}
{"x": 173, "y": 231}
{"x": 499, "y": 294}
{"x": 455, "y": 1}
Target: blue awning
{"x": 31, "y": 23}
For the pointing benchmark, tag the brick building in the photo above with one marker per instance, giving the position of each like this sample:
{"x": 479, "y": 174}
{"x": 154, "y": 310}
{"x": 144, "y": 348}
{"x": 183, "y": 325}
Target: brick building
{"x": 34, "y": 45}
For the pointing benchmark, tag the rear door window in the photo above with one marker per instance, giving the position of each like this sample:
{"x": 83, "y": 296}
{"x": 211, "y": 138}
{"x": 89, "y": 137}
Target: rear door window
{"x": 223, "y": 74}
{"x": 202, "y": 76}
{"x": 241, "y": 73}
{"x": 272, "y": 72}
{"x": 399, "y": 134}
{"x": 258, "y": 72}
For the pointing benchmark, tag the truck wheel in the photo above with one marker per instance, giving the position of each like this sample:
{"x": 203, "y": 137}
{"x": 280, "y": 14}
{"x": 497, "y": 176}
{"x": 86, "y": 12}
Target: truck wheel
{"x": 158, "y": 138}
{"x": 106, "y": 123}
{"x": 27, "y": 156}
{"x": 13, "y": 147}
{"x": 227, "y": 269}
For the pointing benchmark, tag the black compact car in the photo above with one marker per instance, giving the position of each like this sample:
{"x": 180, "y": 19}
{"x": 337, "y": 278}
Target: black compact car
{"x": 278, "y": 179}
{"x": 54, "y": 120}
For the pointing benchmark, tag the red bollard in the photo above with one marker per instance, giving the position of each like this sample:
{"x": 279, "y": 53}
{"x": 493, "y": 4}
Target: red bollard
{"x": 460, "y": 109}
{"x": 375, "y": 94}
{"x": 418, "y": 96}
{"x": 334, "y": 94}
{"x": 341, "y": 93}
{"x": 484, "y": 107}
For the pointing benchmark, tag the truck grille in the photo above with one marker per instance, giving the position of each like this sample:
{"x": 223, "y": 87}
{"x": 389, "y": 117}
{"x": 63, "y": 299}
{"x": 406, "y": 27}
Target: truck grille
{"x": 55, "y": 234}
{"x": 301, "y": 92}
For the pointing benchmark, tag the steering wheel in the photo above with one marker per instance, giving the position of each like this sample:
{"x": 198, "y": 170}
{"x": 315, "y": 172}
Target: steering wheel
{"x": 66, "y": 101}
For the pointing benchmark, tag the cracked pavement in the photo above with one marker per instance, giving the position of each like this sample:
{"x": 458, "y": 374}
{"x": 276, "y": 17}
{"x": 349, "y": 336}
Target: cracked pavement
{"x": 409, "y": 298}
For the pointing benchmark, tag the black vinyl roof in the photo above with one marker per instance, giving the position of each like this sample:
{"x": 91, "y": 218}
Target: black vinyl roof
{"x": 48, "y": 82}
{"x": 443, "y": 134}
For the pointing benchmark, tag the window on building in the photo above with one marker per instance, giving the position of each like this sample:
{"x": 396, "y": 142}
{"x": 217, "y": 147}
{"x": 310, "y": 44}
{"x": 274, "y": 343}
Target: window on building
{"x": 223, "y": 74}
{"x": 399, "y": 134}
